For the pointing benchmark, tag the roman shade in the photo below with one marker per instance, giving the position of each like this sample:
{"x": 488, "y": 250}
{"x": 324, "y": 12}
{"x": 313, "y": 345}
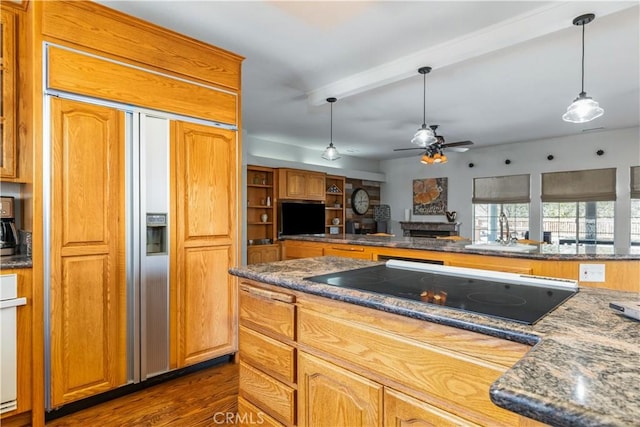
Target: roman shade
{"x": 593, "y": 185}
{"x": 502, "y": 189}
{"x": 635, "y": 182}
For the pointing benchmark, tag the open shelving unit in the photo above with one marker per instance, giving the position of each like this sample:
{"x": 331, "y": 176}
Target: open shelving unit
{"x": 334, "y": 204}
{"x": 261, "y": 218}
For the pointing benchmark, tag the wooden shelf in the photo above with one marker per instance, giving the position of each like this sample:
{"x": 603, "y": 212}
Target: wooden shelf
{"x": 261, "y": 184}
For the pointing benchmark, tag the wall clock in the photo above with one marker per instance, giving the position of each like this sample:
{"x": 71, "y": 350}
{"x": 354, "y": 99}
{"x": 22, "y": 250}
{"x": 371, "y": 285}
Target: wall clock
{"x": 360, "y": 201}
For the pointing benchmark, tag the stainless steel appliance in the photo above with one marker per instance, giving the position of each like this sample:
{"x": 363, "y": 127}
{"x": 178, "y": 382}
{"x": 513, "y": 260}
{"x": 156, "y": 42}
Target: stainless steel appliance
{"x": 8, "y": 232}
{"x": 147, "y": 255}
{"x": 516, "y": 297}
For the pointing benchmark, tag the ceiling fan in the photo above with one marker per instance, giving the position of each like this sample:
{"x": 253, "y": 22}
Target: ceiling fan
{"x": 460, "y": 146}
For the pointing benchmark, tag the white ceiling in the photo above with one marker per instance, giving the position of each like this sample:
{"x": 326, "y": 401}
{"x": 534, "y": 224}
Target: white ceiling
{"x": 502, "y": 71}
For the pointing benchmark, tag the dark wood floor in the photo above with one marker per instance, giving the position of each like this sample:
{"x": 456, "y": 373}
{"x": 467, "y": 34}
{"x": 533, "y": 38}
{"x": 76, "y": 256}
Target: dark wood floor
{"x": 201, "y": 398}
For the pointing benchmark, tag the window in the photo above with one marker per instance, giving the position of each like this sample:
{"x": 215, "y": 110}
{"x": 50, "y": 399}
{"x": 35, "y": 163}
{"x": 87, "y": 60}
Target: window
{"x": 579, "y": 222}
{"x": 486, "y": 223}
{"x": 493, "y": 196}
{"x": 579, "y": 206}
{"x": 635, "y": 205}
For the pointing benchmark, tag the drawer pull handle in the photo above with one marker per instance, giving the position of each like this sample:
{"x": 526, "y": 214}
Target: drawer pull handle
{"x": 348, "y": 249}
{"x": 264, "y": 293}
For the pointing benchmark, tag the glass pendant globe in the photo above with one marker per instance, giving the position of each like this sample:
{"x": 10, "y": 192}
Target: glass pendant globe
{"x": 331, "y": 153}
{"x": 423, "y": 137}
{"x": 582, "y": 110}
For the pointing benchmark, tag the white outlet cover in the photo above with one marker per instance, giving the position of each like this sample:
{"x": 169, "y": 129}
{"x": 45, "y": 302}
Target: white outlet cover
{"x": 592, "y": 273}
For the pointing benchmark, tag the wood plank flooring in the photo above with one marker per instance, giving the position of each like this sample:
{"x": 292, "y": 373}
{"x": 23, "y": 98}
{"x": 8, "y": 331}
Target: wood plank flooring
{"x": 191, "y": 400}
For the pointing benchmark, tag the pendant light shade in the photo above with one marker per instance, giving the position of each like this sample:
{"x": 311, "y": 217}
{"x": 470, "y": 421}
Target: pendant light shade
{"x": 424, "y": 136}
{"x": 584, "y": 108}
{"x": 331, "y": 152}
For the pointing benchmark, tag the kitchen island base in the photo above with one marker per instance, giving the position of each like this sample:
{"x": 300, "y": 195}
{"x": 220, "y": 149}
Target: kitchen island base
{"x": 354, "y": 365}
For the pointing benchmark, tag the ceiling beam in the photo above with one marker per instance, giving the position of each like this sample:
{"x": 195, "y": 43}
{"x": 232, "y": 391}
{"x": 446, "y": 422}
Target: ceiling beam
{"x": 533, "y": 24}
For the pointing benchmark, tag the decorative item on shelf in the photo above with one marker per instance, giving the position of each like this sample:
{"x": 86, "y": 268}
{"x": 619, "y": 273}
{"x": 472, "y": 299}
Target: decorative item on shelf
{"x": 335, "y": 221}
{"x": 424, "y": 136}
{"x": 331, "y": 152}
{"x": 584, "y": 108}
{"x": 257, "y": 179}
{"x": 382, "y": 213}
{"x": 334, "y": 230}
{"x": 337, "y": 205}
{"x": 334, "y": 189}
{"x": 451, "y": 216}
{"x": 264, "y": 217}
{"x": 268, "y": 201}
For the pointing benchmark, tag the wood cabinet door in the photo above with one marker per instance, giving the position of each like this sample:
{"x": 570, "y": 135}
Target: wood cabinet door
{"x": 294, "y": 184}
{"x": 315, "y": 186}
{"x": 403, "y": 410}
{"x": 332, "y": 396}
{"x": 204, "y": 170}
{"x": 88, "y": 280}
{"x": 8, "y": 94}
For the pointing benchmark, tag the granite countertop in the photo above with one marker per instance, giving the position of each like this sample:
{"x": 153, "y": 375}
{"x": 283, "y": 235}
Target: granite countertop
{"x": 15, "y": 261}
{"x": 546, "y": 251}
{"x": 584, "y": 366}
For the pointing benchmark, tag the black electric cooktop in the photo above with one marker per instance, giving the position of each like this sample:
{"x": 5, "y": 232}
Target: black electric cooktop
{"x": 517, "y": 302}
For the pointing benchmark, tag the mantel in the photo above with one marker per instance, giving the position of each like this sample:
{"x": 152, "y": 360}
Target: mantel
{"x": 429, "y": 229}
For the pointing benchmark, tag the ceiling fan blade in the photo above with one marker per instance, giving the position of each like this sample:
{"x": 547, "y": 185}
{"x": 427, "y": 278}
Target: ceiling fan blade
{"x": 405, "y": 149}
{"x": 457, "y": 149}
{"x": 457, "y": 144}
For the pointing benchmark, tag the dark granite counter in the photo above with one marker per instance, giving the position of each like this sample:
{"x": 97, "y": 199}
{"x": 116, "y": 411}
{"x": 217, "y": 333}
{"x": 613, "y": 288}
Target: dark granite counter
{"x": 15, "y": 261}
{"x": 565, "y": 252}
{"x": 584, "y": 366}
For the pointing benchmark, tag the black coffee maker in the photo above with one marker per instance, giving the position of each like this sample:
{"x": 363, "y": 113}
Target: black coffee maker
{"x": 8, "y": 232}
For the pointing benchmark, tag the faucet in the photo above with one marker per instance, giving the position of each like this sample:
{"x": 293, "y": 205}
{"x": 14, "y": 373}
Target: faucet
{"x": 504, "y": 223}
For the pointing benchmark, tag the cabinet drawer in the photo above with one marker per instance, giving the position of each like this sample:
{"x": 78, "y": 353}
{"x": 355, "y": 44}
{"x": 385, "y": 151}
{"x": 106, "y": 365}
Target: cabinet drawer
{"x": 349, "y": 251}
{"x": 267, "y": 354}
{"x": 267, "y": 393}
{"x": 448, "y": 376}
{"x": 251, "y": 415}
{"x": 266, "y": 310}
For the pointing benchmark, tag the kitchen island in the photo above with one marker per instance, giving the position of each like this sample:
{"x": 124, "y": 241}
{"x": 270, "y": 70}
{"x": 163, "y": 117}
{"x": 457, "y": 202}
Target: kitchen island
{"x": 582, "y": 368}
{"x": 621, "y": 270}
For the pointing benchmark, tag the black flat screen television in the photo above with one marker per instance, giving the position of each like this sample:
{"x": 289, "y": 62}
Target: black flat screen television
{"x": 302, "y": 218}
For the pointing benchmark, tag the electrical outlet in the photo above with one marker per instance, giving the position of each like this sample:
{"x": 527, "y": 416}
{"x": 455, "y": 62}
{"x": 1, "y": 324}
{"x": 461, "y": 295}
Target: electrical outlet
{"x": 592, "y": 272}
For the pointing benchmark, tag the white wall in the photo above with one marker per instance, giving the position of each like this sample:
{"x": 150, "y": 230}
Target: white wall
{"x": 622, "y": 150}
{"x": 272, "y": 154}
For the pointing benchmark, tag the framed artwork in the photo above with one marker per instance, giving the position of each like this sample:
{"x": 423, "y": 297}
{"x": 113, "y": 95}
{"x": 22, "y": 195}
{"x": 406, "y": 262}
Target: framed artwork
{"x": 430, "y": 196}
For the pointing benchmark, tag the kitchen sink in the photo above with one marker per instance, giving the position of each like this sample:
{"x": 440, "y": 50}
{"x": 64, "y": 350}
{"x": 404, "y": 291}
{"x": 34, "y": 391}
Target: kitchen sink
{"x": 514, "y": 247}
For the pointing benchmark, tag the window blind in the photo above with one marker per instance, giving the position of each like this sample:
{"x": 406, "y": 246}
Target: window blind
{"x": 502, "y": 189}
{"x": 635, "y": 182}
{"x": 591, "y": 185}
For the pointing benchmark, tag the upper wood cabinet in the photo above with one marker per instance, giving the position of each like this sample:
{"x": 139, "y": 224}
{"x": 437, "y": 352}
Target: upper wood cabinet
{"x": 8, "y": 87}
{"x": 297, "y": 184}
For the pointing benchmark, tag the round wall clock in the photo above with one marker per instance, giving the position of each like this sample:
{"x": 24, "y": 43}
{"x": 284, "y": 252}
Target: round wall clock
{"x": 360, "y": 201}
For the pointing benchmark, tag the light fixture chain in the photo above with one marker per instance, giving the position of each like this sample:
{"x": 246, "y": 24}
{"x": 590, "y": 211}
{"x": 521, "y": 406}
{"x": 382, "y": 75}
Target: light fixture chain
{"x": 582, "y": 88}
{"x": 331, "y": 126}
{"x": 424, "y": 98}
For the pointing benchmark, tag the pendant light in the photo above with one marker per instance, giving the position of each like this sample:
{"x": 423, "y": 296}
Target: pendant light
{"x": 424, "y": 136}
{"x": 583, "y": 109}
{"x": 331, "y": 152}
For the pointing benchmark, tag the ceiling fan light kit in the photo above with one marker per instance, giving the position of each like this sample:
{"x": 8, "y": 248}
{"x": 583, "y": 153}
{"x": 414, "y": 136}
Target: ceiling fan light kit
{"x": 331, "y": 152}
{"x": 584, "y": 108}
{"x": 424, "y": 136}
